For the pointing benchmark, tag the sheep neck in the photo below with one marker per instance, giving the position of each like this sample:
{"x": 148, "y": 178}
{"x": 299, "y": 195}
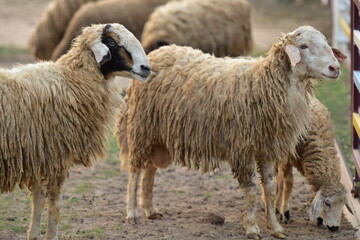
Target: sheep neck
{"x": 80, "y": 61}
{"x": 90, "y": 100}
{"x": 284, "y": 97}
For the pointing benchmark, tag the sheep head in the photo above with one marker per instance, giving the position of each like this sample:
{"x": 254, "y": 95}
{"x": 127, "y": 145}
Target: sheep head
{"x": 328, "y": 209}
{"x": 117, "y": 51}
{"x": 310, "y": 54}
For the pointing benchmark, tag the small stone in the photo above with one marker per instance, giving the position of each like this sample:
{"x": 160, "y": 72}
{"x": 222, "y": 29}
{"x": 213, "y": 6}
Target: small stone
{"x": 215, "y": 219}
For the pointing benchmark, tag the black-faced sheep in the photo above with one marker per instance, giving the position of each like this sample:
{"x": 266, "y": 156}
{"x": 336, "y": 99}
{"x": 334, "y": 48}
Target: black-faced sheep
{"x": 198, "y": 110}
{"x": 317, "y": 160}
{"x": 221, "y": 27}
{"x": 55, "y": 115}
{"x": 130, "y": 13}
{"x": 51, "y": 27}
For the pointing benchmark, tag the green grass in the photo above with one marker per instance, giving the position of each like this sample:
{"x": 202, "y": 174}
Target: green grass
{"x": 177, "y": 192}
{"x": 84, "y": 188}
{"x": 107, "y": 174}
{"x": 336, "y": 97}
{"x": 73, "y": 200}
{"x": 113, "y": 150}
{"x": 98, "y": 230}
{"x": 16, "y": 228}
{"x": 6, "y": 51}
{"x": 16, "y": 224}
{"x": 94, "y": 233}
{"x": 15, "y": 210}
{"x": 226, "y": 176}
{"x": 118, "y": 226}
{"x": 208, "y": 196}
{"x": 65, "y": 226}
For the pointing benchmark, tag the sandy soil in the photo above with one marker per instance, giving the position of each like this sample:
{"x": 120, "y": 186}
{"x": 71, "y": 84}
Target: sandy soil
{"x": 184, "y": 197}
{"x": 94, "y": 199}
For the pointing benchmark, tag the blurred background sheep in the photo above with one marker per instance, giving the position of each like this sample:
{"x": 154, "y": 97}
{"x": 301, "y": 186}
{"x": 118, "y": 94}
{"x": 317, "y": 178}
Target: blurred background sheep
{"x": 63, "y": 20}
{"x": 223, "y": 31}
{"x": 51, "y": 27}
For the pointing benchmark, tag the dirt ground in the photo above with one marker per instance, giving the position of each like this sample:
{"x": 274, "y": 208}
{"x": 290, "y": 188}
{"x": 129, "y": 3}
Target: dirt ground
{"x": 94, "y": 199}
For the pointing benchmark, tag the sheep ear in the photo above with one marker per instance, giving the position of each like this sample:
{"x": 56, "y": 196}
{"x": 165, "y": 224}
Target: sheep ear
{"x": 316, "y": 206}
{"x": 101, "y": 52}
{"x": 293, "y": 54}
{"x": 339, "y": 55}
{"x": 349, "y": 206}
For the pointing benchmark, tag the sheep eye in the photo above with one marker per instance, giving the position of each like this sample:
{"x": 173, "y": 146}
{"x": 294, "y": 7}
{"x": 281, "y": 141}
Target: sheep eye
{"x": 303, "y": 46}
{"x": 327, "y": 204}
{"x": 112, "y": 43}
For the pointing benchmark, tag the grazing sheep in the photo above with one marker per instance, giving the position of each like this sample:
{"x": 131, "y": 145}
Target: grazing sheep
{"x": 317, "y": 160}
{"x": 221, "y": 27}
{"x": 198, "y": 111}
{"x": 55, "y": 115}
{"x": 51, "y": 27}
{"x": 130, "y": 13}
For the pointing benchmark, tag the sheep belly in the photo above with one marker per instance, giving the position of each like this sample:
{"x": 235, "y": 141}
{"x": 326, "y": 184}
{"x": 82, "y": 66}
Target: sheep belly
{"x": 160, "y": 157}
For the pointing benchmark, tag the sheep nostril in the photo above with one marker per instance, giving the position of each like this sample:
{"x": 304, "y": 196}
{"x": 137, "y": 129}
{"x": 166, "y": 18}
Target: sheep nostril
{"x": 333, "y": 228}
{"x": 334, "y": 69}
{"x": 320, "y": 221}
{"x": 145, "y": 68}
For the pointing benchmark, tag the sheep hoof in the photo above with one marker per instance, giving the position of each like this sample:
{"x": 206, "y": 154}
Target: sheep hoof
{"x": 34, "y": 238}
{"x": 285, "y": 218}
{"x": 155, "y": 215}
{"x": 254, "y": 236}
{"x": 132, "y": 220}
{"x": 279, "y": 235}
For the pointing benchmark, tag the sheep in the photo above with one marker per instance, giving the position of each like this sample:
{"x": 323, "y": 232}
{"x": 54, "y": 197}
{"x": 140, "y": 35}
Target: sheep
{"x": 51, "y": 27}
{"x": 317, "y": 160}
{"x": 198, "y": 111}
{"x": 55, "y": 114}
{"x": 223, "y": 31}
{"x": 130, "y": 13}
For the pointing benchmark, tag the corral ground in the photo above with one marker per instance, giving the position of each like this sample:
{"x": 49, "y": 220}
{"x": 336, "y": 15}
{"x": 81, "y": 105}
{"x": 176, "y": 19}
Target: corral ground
{"x": 94, "y": 199}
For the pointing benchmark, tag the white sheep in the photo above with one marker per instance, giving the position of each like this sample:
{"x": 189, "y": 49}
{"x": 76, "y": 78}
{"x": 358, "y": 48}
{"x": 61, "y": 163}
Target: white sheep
{"x": 55, "y": 115}
{"x": 221, "y": 27}
{"x": 317, "y": 160}
{"x": 198, "y": 111}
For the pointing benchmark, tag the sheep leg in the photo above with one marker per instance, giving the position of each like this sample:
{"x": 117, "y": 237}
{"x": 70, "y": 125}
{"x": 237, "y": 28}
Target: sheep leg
{"x": 279, "y": 190}
{"x": 288, "y": 185}
{"x": 146, "y": 192}
{"x": 54, "y": 198}
{"x": 249, "y": 220}
{"x": 38, "y": 202}
{"x": 247, "y": 182}
{"x": 131, "y": 208}
{"x": 267, "y": 171}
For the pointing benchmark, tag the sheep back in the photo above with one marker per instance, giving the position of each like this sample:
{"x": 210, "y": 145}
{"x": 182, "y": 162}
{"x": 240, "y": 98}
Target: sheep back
{"x": 221, "y": 27}
{"x": 203, "y": 109}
